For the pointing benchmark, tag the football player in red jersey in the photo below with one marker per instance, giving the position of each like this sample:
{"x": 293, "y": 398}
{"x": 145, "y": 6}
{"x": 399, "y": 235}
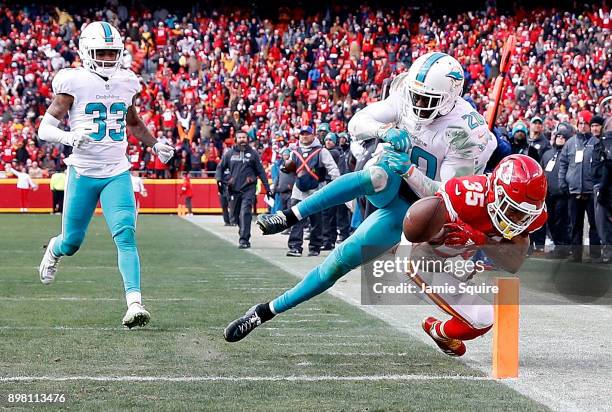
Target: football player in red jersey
{"x": 494, "y": 213}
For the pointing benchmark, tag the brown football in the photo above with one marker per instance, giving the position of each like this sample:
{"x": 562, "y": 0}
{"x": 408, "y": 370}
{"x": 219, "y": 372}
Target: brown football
{"x": 289, "y": 166}
{"x": 425, "y": 219}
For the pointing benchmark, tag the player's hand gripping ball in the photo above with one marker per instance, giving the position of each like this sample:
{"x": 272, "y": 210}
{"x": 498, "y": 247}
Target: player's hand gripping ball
{"x": 459, "y": 234}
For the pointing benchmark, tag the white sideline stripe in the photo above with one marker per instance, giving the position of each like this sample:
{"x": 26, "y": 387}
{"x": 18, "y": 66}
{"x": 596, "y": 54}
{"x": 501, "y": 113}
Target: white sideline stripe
{"x": 320, "y": 378}
{"x": 78, "y": 299}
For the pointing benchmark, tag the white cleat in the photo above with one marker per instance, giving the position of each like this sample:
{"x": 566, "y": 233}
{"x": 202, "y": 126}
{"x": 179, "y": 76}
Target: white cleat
{"x": 48, "y": 265}
{"x": 136, "y": 315}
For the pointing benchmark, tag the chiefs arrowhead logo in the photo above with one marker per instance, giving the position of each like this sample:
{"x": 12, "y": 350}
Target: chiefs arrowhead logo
{"x": 505, "y": 172}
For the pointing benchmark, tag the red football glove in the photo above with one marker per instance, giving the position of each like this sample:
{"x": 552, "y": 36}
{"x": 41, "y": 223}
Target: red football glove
{"x": 460, "y": 234}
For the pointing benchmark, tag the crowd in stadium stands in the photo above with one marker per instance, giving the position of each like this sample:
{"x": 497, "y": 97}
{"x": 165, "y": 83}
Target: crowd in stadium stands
{"x": 204, "y": 76}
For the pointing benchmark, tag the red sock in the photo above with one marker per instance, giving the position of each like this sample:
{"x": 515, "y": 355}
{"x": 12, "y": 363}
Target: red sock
{"x": 457, "y": 329}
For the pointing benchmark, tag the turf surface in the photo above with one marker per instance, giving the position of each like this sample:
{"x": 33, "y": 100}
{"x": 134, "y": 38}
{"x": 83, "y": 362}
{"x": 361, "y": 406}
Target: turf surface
{"x": 193, "y": 285}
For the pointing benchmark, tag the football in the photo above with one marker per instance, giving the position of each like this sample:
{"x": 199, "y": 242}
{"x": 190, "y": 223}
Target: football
{"x": 425, "y": 219}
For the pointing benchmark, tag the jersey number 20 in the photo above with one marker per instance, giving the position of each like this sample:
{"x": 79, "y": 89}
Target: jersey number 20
{"x": 100, "y": 108}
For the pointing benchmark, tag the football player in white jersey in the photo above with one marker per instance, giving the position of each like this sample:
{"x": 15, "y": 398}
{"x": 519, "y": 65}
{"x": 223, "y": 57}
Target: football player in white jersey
{"x": 430, "y": 134}
{"x": 99, "y": 100}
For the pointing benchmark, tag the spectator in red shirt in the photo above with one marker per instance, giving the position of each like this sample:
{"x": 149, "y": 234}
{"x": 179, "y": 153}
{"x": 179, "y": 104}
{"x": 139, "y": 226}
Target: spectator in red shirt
{"x": 186, "y": 194}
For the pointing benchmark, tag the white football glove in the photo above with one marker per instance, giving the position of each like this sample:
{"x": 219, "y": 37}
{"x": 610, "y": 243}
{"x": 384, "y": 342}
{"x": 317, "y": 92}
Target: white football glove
{"x": 78, "y": 140}
{"x": 163, "y": 151}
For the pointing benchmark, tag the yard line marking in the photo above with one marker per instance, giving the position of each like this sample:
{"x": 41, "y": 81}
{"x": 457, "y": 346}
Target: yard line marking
{"x": 313, "y": 320}
{"x": 78, "y": 299}
{"x": 402, "y": 354}
{"x": 332, "y": 344}
{"x": 101, "y": 328}
{"x": 246, "y": 288}
{"x": 320, "y": 378}
{"x": 36, "y": 283}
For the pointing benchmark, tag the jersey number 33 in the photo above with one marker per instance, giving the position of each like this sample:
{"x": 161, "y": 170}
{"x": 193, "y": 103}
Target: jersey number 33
{"x": 115, "y": 127}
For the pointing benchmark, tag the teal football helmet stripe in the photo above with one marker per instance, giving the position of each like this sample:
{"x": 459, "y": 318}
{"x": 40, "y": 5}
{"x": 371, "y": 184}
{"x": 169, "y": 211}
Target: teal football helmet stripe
{"x": 108, "y": 34}
{"x": 422, "y": 74}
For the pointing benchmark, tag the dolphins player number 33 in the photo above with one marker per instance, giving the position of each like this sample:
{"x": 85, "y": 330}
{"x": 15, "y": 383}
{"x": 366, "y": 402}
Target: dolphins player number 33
{"x": 98, "y": 98}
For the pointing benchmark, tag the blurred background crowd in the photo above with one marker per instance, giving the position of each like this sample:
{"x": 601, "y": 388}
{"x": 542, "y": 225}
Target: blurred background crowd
{"x": 207, "y": 74}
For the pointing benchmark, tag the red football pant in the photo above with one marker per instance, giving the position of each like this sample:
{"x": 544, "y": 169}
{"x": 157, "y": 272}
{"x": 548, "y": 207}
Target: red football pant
{"x": 23, "y": 198}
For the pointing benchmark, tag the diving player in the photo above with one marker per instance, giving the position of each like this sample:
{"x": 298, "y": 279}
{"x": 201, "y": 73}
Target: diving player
{"x": 494, "y": 213}
{"x": 99, "y": 99}
{"x": 435, "y": 130}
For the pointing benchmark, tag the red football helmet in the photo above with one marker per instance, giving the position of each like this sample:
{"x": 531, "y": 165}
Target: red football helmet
{"x": 517, "y": 194}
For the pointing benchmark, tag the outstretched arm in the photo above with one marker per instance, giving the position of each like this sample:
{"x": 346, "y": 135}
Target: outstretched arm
{"x": 374, "y": 120}
{"x": 509, "y": 255}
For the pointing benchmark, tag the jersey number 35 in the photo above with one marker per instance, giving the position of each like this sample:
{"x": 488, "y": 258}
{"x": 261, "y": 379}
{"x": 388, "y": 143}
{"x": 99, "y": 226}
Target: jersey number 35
{"x": 474, "y": 195}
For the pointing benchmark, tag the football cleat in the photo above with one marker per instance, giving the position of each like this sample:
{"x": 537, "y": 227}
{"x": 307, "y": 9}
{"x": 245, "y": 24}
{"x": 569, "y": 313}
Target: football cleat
{"x": 241, "y": 327}
{"x": 452, "y": 347}
{"x": 136, "y": 315}
{"x": 272, "y": 223}
{"x": 48, "y": 265}
{"x": 294, "y": 253}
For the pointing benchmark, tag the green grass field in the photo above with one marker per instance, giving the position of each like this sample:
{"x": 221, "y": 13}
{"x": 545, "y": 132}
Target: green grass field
{"x": 193, "y": 285}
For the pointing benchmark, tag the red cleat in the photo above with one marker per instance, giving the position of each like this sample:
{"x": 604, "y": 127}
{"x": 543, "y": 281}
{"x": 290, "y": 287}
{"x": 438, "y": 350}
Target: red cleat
{"x": 452, "y": 347}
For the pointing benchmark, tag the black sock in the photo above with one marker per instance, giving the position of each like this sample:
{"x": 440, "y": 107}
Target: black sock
{"x": 291, "y": 217}
{"x": 264, "y": 312}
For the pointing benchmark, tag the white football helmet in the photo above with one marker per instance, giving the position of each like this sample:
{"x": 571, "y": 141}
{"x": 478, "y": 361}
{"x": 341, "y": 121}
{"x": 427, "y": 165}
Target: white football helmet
{"x": 98, "y": 36}
{"x": 434, "y": 83}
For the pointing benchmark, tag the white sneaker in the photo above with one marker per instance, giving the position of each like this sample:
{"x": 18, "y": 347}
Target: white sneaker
{"x": 48, "y": 265}
{"x": 136, "y": 315}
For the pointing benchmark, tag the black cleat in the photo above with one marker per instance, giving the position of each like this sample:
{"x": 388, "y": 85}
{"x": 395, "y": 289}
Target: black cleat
{"x": 272, "y": 223}
{"x": 241, "y": 327}
{"x": 244, "y": 245}
{"x": 294, "y": 253}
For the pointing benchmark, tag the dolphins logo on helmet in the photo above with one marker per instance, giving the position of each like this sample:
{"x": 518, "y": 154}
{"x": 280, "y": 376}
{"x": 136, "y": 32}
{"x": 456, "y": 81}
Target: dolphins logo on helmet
{"x": 434, "y": 83}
